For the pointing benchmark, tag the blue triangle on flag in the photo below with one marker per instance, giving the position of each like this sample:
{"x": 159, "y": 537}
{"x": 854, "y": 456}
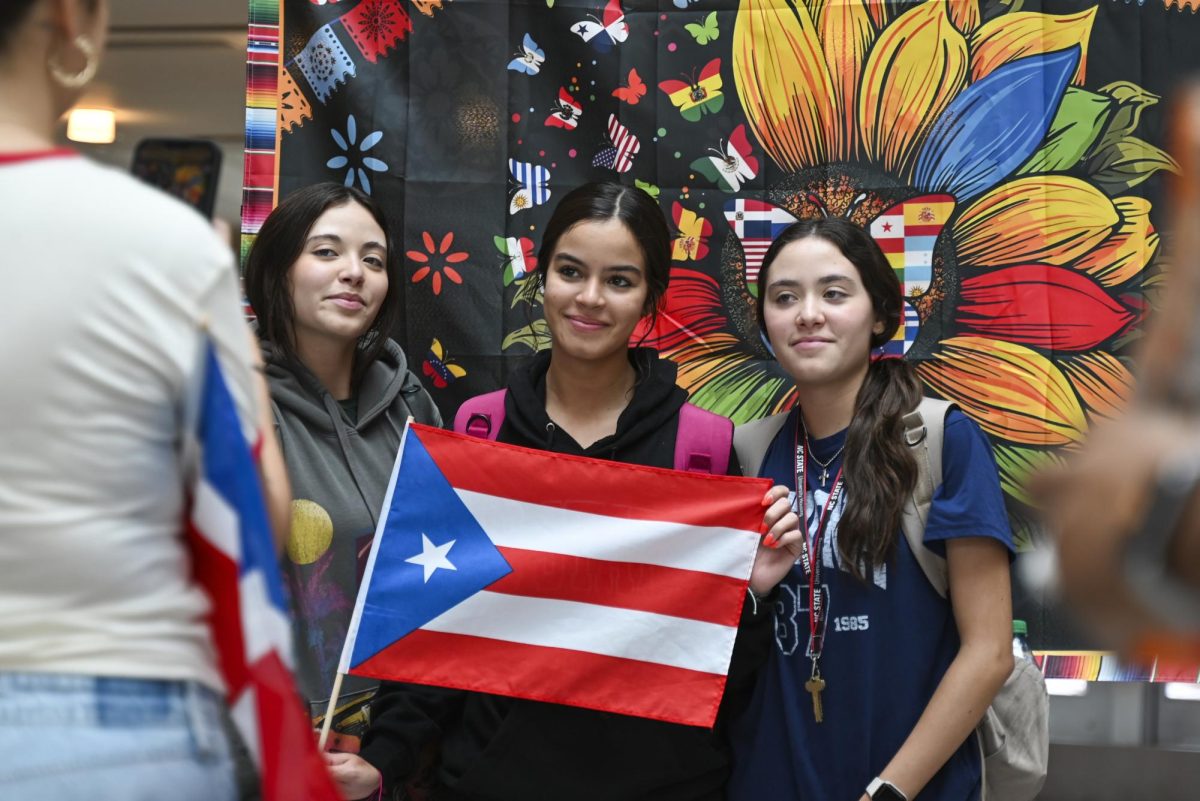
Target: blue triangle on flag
{"x": 425, "y": 515}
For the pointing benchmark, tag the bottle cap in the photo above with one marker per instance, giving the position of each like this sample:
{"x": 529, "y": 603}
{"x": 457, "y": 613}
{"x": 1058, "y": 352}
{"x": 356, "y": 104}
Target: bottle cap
{"x": 1019, "y": 628}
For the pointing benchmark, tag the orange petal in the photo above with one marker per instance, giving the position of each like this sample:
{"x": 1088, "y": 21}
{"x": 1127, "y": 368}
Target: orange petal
{"x": 847, "y": 34}
{"x": 916, "y": 68}
{"x": 452, "y": 274}
{"x": 781, "y": 78}
{"x": 878, "y": 9}
{"x": 1013, "y": 392}
{"x": 1051, "y": 219}
{"x": 1102, "y": 381}
{"x": 437, "y": 283}
{"x": 446, "y": 242}
{"x": 1127, "y": 251}
{"x": 417, "y": 256}
{"x": 455, "y": 258}
{"x": 428, "y": 239}
{"x": 1026, "y": 33}
{"x": 965, "y": 15}
{"x": 420, "y": 274}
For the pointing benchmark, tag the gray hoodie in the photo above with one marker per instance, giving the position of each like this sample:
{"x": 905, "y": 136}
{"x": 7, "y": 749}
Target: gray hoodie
{"x": 339, "y": 471}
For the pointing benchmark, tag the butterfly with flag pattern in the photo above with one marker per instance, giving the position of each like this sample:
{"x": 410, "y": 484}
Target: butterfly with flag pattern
{"x": 519, "y": 260}
{"x": 603, "y": 35}
{"x": 533, "y": 185}
{"x": 566, "y": 112}
{"x": 622, "y": 147}
{"x": 695, "y": 97}
{"x": 691, "y": 242}
{"x": 441, "y": 371}
{"x": 733, "y": 163}
{"x": 530, "y": 59}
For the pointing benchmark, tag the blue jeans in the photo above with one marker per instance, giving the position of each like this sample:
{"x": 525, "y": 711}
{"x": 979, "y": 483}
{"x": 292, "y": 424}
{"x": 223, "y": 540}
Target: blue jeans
{"x": 67, "y": 737}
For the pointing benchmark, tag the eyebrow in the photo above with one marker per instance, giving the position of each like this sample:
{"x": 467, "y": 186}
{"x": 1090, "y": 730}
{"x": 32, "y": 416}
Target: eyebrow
{"x": 616, "y": 268}
{"x": 338, "y": 240}
{"x": 835, "y": 278}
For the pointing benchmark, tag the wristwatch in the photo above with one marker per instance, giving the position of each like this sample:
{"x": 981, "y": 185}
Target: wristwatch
{"x": 880, "y": 790}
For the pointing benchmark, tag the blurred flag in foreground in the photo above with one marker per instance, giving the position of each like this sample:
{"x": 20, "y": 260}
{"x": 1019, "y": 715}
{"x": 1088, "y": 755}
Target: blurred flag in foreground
{"x": 234, "y": 561}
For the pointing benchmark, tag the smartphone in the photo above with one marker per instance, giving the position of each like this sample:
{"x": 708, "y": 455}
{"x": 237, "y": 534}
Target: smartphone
{"x": 185, "y": 168}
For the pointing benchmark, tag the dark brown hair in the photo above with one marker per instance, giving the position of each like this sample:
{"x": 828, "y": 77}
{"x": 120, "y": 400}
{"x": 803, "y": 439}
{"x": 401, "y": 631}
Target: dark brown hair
{"x": 279, "y": 244}
{"x": 879, "y": 469}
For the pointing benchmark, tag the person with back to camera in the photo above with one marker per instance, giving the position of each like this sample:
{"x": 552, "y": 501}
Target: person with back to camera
{"x": 604, "y": 264}
{"x": 881, "y": 704}
{"x": 109, "y": 687}
{"x": 323, "y": 278}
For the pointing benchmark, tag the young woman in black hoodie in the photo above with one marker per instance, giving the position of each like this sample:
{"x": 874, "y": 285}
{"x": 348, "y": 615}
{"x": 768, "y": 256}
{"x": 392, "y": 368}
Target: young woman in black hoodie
{"x": 604, "y": 264}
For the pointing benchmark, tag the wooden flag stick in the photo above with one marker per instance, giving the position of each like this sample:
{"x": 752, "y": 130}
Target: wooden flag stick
{"x": 327, "y": 723}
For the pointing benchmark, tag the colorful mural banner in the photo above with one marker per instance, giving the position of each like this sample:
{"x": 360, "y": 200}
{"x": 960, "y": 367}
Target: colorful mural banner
{"x": 1004, "y": 153}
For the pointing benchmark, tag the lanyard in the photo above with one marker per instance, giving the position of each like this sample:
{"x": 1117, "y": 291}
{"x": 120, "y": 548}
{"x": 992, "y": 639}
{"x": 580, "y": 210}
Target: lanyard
{"x": 810, "y": 555}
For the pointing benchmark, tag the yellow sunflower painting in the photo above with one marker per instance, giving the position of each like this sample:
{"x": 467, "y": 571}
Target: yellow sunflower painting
{"x": 997, "y": 184}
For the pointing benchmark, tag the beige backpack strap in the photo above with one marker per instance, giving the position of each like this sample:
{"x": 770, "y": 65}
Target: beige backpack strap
{"x": 924, "y": 432}
{"x": 751, "y": 441}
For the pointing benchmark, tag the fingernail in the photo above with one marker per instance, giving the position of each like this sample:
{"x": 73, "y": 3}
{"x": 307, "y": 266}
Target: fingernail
{"x": 769, "y": 542}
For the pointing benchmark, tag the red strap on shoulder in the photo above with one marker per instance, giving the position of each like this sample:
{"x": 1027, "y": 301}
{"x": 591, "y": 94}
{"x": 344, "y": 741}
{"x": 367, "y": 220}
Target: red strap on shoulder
{"x": 702, "y": 442}
{"x": 481, "y": 416}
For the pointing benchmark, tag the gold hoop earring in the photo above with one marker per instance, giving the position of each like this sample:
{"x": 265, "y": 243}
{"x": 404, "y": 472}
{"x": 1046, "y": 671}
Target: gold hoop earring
{"x": 79, "y": 79}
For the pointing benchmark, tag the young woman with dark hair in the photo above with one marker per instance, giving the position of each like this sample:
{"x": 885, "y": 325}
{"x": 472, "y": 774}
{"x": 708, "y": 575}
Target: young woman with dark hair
{"x": 604, "y": 265}
{"x": 109, "y": 686}
{"x": 323, "y": 279}
{"x": 901, "y": 675}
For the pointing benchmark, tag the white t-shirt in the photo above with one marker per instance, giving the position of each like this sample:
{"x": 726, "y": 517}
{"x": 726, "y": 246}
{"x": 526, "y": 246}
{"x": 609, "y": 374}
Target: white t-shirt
{"x": 110, "y": 286}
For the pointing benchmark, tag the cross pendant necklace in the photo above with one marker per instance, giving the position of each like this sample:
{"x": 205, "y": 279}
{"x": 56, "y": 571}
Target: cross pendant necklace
{"x": 815, "y": 685}
{"x": 824, "y": 465}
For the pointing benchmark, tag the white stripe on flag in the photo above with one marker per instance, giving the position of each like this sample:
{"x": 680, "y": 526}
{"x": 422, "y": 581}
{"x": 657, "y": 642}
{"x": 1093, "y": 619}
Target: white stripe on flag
{"x": 617, "y": 539}
{"x": 591, "y": 628}
{"x": 217, "y": 521}
{"x": 265, "y": 626}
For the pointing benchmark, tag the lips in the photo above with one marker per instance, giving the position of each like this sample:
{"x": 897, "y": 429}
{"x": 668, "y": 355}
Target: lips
{"x": 810, "y": 343}
{"x": 348, "y": 300}
{"x": 585, "y": 324}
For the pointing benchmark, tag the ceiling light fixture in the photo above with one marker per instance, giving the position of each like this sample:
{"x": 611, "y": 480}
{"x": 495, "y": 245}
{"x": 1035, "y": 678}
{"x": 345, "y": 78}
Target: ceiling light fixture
{"x": 92, "y": 125}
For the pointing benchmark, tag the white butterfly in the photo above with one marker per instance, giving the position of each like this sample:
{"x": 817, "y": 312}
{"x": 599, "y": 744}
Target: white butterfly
{"x": 603, "y": 35}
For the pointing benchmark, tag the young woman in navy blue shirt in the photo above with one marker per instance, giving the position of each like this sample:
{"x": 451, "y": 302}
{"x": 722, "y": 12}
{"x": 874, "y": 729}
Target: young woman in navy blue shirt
{"x": 904, "y": 675}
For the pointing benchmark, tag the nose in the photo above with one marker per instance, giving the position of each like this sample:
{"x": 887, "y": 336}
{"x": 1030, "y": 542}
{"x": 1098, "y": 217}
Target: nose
{"x": 590, "y": 293}
{"x": 351, "y": 272}
{"x": 809, "y": 312}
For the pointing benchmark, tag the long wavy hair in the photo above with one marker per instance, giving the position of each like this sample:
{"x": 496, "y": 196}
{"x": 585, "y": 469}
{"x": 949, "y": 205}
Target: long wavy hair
{"x": 279, "y": 244}
{"x": 879, "y": 469}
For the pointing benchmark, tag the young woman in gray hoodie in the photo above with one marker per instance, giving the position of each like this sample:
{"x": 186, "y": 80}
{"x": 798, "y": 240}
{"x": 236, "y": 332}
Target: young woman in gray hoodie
{"x": 324, "y": 278}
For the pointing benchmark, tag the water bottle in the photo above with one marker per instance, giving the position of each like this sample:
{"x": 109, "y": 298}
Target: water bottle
{"x": 1020, "y": 645}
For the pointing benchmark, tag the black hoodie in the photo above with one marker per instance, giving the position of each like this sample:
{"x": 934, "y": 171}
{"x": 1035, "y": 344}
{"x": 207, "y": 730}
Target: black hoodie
{"x": 501, "y": 748}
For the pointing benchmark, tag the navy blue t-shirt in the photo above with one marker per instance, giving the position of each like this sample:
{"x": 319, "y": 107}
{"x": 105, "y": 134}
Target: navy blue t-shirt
{"x": 888, "y": 642}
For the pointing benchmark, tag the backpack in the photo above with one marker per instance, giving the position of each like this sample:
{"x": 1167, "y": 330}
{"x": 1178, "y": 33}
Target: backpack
{"x": 701, "y": 442}
{"x": 1014, "y": 734}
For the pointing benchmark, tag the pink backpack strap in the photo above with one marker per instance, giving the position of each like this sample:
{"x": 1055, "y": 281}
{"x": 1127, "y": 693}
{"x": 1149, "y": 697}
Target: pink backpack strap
{"x": 702, "y": 442}
{"x": 481, "y": 416}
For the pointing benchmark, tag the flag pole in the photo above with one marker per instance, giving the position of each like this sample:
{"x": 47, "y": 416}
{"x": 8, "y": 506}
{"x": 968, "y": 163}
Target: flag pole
{"x": 327, "y": 723}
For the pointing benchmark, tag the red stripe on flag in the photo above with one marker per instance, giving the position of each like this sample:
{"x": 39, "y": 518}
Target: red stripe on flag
{"x": 922, "y": 230}
{"x": 292, "y": 767}
{"x": 560, "y": 676}
{"x": 891, "y": 244}
{"x": 574, "y": 482}
{"x": 218, "y": 575}
{"x": 647, "y": 588}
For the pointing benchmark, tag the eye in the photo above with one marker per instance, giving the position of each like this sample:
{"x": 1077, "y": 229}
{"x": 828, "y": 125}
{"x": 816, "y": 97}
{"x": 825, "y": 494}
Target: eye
{"x": 325, "y": 252}
{"x": 375, "y": 261}
{"x": 567, "y": 271}
{"x": 621, "y": 281}
{"x": 836, "y": 294}
{"x": 784, "y": 298}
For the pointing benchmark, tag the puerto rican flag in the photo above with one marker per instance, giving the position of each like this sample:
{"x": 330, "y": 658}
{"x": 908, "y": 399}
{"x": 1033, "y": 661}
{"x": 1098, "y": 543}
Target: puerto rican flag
{"x": 756, "y": 223}
{"x": 234, "y": 560}
{"x": 506, "y": 570}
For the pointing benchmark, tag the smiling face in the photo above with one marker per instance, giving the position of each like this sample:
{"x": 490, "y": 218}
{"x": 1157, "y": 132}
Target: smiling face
{"x": 596, "y": 290}
{"x": 818, "y": 315}
{"x": 340, "y": 279}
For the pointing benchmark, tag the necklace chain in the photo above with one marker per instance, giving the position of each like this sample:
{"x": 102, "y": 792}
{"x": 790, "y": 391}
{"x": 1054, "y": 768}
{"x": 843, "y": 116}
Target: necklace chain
{"x": 823, "y": 465}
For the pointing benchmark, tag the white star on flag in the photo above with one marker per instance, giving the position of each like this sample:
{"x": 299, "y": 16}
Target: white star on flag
{"x": 432, "y": 557}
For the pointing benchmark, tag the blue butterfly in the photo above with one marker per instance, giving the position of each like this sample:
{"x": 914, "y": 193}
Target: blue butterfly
{"x": 684, "y": 3}
{"x": 530, "y": 61}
